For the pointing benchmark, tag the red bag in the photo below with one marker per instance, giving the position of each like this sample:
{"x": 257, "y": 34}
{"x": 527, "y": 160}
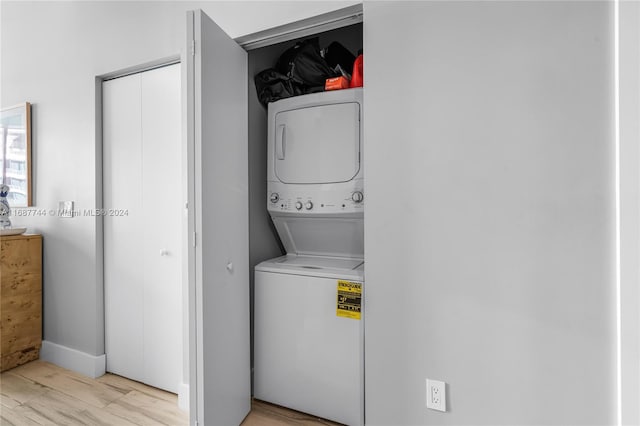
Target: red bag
{"x": 356, "y": 75}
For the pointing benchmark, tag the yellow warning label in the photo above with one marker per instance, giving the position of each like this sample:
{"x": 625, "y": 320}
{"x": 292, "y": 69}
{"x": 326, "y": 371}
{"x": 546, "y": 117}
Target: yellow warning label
{"x": 349, "y": 301}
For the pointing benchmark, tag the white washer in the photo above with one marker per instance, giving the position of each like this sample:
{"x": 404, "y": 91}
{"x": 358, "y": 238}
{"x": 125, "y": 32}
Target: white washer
{"x": 306, "y": 356}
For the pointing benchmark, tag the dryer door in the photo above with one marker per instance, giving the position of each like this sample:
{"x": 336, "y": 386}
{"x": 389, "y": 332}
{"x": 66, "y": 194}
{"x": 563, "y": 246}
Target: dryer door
{"x": 319, "y": 144}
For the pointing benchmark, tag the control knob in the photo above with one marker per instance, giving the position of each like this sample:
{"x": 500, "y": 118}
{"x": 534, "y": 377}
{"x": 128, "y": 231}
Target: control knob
{"x": 298, "y": 205}
{"x": 274, "y": 197}
{"x": 357, "y": 197}
{"x": 309, "y": 205}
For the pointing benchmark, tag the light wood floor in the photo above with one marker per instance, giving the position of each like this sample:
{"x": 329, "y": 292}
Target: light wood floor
{"x": 40, "y": 393}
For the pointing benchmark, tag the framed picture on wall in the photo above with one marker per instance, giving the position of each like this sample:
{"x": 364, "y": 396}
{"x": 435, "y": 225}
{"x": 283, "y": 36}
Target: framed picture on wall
{"x": 15, "y": 153}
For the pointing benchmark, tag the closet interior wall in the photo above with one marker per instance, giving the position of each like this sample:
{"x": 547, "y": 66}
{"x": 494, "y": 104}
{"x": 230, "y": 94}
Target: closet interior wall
{"x": 263, "y": 241}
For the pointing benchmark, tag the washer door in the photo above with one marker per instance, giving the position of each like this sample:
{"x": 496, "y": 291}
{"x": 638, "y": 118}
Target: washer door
{"x": 318, "y": 144}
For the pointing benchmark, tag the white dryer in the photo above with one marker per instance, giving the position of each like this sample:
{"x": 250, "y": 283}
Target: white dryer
{"x": 308, "y": 313}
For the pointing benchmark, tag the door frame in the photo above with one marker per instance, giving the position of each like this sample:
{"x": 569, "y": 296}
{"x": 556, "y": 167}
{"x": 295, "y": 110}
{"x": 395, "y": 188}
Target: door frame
{"x": 627, "y": 21}
{"x": 335, "y": 19}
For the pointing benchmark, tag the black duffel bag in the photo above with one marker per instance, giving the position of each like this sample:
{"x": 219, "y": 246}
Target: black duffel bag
{"x": 305, "y": 66}
{"x": 272, "y": 85}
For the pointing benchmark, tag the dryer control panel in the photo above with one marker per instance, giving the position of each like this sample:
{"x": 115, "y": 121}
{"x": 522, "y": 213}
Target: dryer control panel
{"x": 317, "y": 199}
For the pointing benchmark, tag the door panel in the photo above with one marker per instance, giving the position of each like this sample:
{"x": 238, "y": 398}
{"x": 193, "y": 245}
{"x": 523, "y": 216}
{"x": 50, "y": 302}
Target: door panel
{"x": 123, "y": 284}
{"x": 318, "y": 144}
{"x": 161, "y": 245}
{"x": 219, "y": 279}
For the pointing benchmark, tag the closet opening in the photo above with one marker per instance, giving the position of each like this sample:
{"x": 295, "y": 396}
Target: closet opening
{"x": 265, "y": 244}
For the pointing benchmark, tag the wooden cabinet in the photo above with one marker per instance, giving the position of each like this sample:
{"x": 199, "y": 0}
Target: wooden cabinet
{"x": 20, "y": 299}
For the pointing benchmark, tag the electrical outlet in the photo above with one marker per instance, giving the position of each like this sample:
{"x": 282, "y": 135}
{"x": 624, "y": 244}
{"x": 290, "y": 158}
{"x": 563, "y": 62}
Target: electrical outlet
{"x": 436, "y": 395}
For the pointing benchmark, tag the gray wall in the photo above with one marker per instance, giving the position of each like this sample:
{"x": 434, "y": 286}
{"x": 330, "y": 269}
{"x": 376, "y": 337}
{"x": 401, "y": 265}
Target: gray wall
{"x": 51, "y": 54}
{"x": 490, "y": 223}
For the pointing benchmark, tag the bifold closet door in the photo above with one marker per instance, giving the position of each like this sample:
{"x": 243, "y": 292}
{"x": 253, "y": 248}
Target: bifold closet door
{"x": 142, "y": 226}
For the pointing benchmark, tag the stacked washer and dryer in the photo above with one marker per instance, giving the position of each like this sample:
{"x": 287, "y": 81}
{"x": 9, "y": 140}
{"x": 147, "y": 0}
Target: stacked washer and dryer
{"x": 308, "y": 312}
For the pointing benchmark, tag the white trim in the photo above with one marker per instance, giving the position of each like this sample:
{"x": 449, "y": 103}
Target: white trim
{"x": 183, "y": 396}
{"x": 72, "y": 359}
{"x": 616, "y": 66}
{"x": 196, "y": 403}
{"x": 316, "y": 24}
{"x": 137, "y": 69}
{"x": 628, "y": 294}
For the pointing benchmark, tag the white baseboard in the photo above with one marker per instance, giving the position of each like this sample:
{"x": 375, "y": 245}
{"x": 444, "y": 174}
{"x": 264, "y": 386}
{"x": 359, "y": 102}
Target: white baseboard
{"x": 72, "y": 359}
{"x": 183, "y": 397}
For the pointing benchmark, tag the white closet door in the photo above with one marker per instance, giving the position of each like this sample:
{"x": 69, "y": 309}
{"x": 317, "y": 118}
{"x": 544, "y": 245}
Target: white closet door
{"x": 143, "y": 249}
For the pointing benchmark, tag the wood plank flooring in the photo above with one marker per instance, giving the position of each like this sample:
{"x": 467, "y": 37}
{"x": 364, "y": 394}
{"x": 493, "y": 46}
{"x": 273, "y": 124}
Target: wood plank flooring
{"x": 265, "y": 414}
{"x": 40, "y": 393}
